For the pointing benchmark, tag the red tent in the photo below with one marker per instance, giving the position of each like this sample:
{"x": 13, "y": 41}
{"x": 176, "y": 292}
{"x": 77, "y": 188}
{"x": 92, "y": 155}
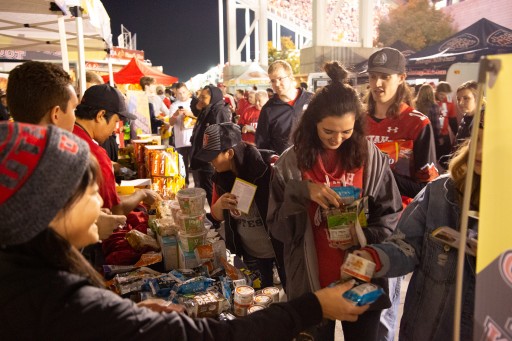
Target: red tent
{"x": 134, "y": 70}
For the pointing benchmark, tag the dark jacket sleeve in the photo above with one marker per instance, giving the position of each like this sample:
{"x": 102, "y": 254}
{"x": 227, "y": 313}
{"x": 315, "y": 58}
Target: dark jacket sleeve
{"x": 92, "y": 313}
{"x": 262, "y": 132}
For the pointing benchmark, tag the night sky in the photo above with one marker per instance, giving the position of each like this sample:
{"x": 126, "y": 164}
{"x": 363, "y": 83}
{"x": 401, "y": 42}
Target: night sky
{"x": 180, "y": 35}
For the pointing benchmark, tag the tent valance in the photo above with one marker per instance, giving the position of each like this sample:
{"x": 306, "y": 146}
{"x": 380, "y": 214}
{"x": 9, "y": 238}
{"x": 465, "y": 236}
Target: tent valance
{"x": 482, "y": 38}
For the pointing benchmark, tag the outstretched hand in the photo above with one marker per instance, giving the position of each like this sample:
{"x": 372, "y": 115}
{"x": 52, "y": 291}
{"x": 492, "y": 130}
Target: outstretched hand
{"x": 335, "y": 306}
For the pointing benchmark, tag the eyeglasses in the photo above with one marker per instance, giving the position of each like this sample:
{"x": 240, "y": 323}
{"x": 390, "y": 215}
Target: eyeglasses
{"x": 280, "y": 79}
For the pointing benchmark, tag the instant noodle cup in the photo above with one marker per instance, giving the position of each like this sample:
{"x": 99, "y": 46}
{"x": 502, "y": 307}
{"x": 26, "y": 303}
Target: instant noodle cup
{"x": 189, "y": 242}
{"x": 254, "y": 308}
{"x": 191, "y": 200}
{"x": 191, "y": 224}
{"x": 273, "y": 292}
{"x": 262, "y": 300}
{"x": 244, "y": 296}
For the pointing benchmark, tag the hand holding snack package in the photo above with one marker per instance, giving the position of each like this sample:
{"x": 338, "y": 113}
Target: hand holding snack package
{"x": 344, "y": 223}
{"x": 362, "y": 270}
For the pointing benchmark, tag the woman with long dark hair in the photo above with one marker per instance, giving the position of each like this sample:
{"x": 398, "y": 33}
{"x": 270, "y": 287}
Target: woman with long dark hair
{"x": 330, "y": 155}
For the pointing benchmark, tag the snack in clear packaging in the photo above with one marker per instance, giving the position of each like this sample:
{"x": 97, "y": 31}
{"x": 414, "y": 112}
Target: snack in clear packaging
{"x": 207, "y": 304}
{"x": 345, "y": 223}
{"x": 363, "y": 294}
{"x": 149, "y": 259}
{"x": 232, "y": 272}
{"x": 175, "y": 208}
{"x": 141, "y": 242}
{"x": 133, "y": 281}
{"x": 160, "y": 286}
{"x": 163, "y": 209}
{"x": 196, "y": 284}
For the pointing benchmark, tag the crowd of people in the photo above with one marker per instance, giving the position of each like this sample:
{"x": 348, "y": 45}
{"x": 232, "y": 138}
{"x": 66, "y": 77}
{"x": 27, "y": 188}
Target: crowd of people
{"x": 306, "y": 154}
{"x": 345, "y": 26}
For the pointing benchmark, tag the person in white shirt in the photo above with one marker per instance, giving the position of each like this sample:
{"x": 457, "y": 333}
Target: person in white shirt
{"x": 148, "y": 85}
{"x": 182, "y": 118}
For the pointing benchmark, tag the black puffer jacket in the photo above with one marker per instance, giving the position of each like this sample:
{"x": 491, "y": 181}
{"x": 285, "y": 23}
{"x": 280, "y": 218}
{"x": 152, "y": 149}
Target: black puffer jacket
{"x": 216, "y": 112}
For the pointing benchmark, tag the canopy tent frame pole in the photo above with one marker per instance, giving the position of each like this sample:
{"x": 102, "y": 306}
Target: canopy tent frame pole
{"x": 77, "y": 11}
{"x": 63, "y": 44}
{"x": 485, "y": 66}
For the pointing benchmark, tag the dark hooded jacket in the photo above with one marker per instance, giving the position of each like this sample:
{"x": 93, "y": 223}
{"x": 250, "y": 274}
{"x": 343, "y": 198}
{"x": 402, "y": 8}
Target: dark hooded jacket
{"x": 216, "y": 112}
{"x": 254, "y": 168}
{"x": 278, "y": 120}
{"x": 40, "y": 302}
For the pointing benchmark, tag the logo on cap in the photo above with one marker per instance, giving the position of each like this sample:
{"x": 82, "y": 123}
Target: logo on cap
{"x": 380, "y": 59}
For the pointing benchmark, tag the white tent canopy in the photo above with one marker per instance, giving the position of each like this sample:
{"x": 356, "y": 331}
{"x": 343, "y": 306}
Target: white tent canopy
{"x": 253, "y": 75}
{"x": 44, "y": 25}
{"x": 30, "y": 25}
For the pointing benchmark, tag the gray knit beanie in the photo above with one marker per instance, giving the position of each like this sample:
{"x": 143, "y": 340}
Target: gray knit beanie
{"x": 40, "y": 170}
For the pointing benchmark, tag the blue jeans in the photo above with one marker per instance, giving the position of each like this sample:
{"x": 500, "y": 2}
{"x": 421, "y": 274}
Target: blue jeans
{"x": 389, "y": 317}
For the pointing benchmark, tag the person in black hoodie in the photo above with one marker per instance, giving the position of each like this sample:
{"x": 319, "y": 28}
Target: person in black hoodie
{"x": 246, "y": 232}
{"x": 210, "y": 108}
